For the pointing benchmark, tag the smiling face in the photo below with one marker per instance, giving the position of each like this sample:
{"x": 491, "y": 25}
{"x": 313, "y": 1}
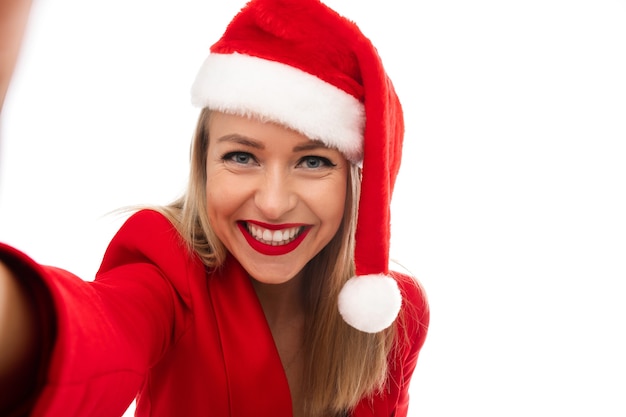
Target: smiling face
{"x": 274, "y": 197}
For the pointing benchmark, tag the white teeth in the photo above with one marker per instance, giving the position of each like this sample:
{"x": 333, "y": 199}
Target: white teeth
{"x": 275, "y": 237}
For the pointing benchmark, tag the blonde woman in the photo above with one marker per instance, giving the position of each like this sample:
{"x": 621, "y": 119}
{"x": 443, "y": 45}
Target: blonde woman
{"x": 265, "y": 290}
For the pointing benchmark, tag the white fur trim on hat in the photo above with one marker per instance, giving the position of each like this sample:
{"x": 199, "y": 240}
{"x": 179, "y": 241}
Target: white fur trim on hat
{"x": 370, "y": 303}
{"x": 251, "y": 86}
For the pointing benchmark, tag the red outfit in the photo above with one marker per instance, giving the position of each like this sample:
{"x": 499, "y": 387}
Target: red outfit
{"x": 188, "y": 341}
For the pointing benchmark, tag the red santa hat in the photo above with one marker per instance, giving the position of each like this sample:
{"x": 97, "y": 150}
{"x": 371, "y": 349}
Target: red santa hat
{"x": 301, "y": 64}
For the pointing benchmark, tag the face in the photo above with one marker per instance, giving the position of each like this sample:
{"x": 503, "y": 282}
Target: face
{"x": 274, "y": 197}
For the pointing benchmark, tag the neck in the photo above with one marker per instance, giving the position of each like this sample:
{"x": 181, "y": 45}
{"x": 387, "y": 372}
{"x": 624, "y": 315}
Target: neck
{"x": 282, "y": 303}
{"x": 284, "y": 311}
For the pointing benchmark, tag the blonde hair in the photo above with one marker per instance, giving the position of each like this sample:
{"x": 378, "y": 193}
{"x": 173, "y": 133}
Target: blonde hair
{"x": 342, "y": 365}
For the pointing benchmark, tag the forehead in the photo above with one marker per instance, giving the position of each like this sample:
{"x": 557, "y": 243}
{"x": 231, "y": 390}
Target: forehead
{"x": 254, "y": 132}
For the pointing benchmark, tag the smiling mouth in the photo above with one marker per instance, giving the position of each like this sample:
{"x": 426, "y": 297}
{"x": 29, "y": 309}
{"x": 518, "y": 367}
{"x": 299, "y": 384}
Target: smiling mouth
{"x": 272, "y": 239}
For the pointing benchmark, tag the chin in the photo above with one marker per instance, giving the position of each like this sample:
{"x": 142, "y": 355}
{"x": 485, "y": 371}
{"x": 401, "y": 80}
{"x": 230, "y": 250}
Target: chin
{"x": 267, "y": 276}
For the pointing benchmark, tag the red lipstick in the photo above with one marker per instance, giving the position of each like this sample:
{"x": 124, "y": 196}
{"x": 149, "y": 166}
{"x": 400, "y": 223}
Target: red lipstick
{"x": 272, "y": 250}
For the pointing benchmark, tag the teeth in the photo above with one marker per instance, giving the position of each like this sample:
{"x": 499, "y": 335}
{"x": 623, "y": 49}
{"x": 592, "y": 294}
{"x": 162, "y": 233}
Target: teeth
{"x": 273, "y": 237}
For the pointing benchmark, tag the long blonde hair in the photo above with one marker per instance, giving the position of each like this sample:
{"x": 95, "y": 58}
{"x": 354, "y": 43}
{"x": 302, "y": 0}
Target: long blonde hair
{"x": 342, "y": 365}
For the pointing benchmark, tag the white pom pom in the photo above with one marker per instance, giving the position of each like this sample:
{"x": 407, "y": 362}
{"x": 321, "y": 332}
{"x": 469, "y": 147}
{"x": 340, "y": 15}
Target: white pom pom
{"x": 370, "y": 303}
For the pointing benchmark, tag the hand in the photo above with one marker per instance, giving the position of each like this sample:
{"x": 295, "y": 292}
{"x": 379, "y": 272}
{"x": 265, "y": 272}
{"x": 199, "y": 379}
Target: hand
{"x": 13, "y": 18}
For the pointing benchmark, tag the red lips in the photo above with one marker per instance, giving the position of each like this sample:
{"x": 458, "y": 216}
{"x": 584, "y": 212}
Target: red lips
{"x": 272, "y": 250}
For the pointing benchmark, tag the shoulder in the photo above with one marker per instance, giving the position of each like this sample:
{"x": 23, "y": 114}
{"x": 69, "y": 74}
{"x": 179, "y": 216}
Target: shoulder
{"x": 148, "y": 222}
{"x": 147, "y": 227}
{"x": 415, "y": 300}
{"x": 150, "y": 239}
{"x": 414, "y": 317}
{"x": 147, "y": 236}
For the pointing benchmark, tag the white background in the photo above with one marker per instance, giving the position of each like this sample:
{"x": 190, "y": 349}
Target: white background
{"x": 509, "y": 207}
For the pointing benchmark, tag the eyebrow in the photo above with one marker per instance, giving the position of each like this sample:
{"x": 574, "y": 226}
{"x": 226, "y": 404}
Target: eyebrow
{"x": 310, "y": 146}
{"x": 246, "y": 141}
{"x": 241, "y": 140}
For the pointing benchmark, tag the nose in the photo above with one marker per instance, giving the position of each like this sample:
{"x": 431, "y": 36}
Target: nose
{"x": 275, "y": 195}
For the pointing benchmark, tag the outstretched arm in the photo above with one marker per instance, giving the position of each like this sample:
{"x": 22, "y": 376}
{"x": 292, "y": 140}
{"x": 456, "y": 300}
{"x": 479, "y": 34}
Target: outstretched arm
{"x": 18, "y": 342}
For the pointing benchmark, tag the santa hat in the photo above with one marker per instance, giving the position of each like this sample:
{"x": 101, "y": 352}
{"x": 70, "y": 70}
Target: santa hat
{"x": 300, "y": 64}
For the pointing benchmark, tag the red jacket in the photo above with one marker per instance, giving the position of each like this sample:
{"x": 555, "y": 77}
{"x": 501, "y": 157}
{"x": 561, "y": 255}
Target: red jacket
{"x": 189, "y": 343}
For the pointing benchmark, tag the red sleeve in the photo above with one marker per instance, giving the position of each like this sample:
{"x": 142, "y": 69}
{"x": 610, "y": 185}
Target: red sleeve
{"x": 110, "y": 331}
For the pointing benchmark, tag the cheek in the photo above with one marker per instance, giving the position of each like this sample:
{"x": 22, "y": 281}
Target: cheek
{"x": 222, "y": 196}
{"x": 339, "y": 208}
{"x": 331, "y": 203}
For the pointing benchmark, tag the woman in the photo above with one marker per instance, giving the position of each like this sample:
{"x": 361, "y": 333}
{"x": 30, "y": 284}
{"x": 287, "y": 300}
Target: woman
{"x": 265, "y": 290}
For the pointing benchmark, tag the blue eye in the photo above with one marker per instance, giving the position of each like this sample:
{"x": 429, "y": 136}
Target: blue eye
{"x": 242, "y": 158}
{"x": 313, "y": 162}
